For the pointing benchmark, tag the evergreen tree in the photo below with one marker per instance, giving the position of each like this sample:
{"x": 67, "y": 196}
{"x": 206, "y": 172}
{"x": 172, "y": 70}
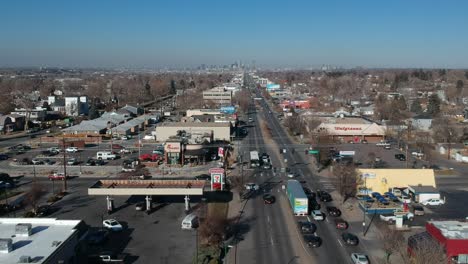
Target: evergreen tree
{"x": 173, "y": 89}
{"x": 433, "y": 106}
{"x": 416, "y": 107}
{"x": 402, "y": 103}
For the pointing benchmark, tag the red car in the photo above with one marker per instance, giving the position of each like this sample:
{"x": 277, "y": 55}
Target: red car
{"x": 57, "y": 176}
{"x": 117, "y": 146}
{"x": 341, "y": 224}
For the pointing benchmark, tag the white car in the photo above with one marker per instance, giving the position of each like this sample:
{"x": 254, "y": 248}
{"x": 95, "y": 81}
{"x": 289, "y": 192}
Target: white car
{"x": 405, "y": 199}
{"x": 112, "y": 224}
{"x": 433, "y": 201}
{"x": 251, "y": 186}
{"x": 291, "y": 175}
{"x": 71, "y": 149}
{"x": 148, "y": 137}
{"x": 417, "y": 154}
{"x": 359, "y": 258}
{"x": 317, "y": 215}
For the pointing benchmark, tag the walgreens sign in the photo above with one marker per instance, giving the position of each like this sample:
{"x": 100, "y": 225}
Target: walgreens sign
{"x": 348, "y": 128}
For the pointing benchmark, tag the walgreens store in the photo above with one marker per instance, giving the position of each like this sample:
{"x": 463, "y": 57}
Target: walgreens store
{"x": 371, "y": 132}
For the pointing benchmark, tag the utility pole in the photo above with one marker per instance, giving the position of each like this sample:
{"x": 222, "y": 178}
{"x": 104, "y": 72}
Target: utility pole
{"x": 407, "y": 142}
{"x": 64, "y": 165}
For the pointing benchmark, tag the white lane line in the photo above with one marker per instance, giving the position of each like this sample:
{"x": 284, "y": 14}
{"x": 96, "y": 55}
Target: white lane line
{"x": 308, "y": 219}
{"x": 271, "y": 240}
{"x": 268, "y": 219}
{"x": 326, "y": 219}
{"x": 340, "y": 242}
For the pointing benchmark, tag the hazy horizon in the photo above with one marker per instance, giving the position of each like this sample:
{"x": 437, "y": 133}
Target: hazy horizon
{"x": 175, "y": 34}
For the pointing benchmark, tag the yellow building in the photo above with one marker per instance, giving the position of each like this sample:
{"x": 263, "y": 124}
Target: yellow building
{"x": 382, "y": 180}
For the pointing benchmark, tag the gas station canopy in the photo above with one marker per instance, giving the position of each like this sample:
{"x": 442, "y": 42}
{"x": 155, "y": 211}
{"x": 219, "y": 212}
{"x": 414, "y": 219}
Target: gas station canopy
{"x": 147, "y": 187}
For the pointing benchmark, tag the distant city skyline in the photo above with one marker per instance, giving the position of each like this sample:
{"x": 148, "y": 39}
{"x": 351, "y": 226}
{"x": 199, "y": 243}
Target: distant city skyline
{"x": 178, "y": 34}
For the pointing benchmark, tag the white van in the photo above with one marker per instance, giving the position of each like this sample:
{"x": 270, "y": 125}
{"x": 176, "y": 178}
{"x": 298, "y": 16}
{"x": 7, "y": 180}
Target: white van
{"x": 105, "y": 155}
{"x": 190, "y": 221}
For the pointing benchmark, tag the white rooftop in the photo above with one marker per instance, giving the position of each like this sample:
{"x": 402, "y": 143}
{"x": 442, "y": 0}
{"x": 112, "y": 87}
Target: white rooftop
{"x": 452, "y": 229}
{"x": 39, "y": 245}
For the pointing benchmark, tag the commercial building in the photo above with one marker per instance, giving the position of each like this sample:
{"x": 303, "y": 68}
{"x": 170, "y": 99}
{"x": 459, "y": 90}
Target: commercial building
{"x": 452, "y": 235}
{"x": 193, "y": 112}
{"x": 198, "y": 132}
{"x": 347, "y": 129}
{"x": 218, "y": 95}
{"x": 383, "y": 180}
{"x": 39, "y": 240}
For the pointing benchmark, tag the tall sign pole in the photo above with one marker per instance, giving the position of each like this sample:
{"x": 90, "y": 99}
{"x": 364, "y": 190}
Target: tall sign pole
{"x": 64, "y": 165}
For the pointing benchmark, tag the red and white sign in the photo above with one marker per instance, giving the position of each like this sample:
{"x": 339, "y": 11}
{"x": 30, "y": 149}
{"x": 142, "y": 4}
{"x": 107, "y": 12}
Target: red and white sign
{"x": 221, "y": 152}
{"x": 172, "y": 147}
{"x": 217, "y": 178}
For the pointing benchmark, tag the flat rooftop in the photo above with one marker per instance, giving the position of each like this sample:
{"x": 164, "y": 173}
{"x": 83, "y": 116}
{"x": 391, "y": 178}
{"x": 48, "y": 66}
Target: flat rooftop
{"x": 194, "y": 124}
{"x": 345, "y": 120}
{"x": 39, "y": 246}
{"x": 452, "y": 229}
{"x": 147, "y": 187}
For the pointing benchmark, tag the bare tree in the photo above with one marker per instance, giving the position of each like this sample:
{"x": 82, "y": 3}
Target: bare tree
{"x": 427, "y": 251}
{"x": 393, "y": 240}
{"x": 212, "y": 230}
{"x": 347, "y": 180}
{"x": 34, "y": 194}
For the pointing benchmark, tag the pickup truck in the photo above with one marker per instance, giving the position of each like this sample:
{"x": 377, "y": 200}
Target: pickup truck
{"x": 392, "y": 218}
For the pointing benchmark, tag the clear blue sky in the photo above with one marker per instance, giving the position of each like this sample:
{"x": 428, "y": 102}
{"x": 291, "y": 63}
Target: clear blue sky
{"x": 113, "y": 33}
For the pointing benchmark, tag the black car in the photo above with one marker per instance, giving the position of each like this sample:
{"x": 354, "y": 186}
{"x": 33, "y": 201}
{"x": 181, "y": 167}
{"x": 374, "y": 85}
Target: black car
{"x": 324, "y": 196}
{"x": 350, "y": 239}
{"x": 97, "y": 237}
{"x": 333, "y": 211}
{"x": 3, "y": 157}
{"x": 309, "y": 192}
{"x": 203, "y": 177}
{"x": 307, "y": 227}
{"x": 313, "y": 205}
{"x": 400, "y": 157}
{"x": 5, "y": 177}
{"x": 268, "y": 198}
{"x": 313, "y": 241}
{"x": 90, "y": 162}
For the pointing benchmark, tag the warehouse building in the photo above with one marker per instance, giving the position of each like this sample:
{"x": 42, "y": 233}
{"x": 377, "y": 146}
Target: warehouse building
{"x": 218, "y": 95}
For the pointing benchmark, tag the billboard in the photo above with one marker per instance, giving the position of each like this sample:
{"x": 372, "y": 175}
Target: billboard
{"x": 347, "y": 153}
{"x": 273, "y": 86}
{"x": 300, "y": 206}
{"x": 228, "y": 109}
{"x": 221, "y": 152}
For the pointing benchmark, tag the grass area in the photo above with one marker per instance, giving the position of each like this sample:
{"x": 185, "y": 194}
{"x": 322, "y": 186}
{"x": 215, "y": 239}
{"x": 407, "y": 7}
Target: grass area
{"x": 445, "y": 172}
{"x": 208, "y": 255}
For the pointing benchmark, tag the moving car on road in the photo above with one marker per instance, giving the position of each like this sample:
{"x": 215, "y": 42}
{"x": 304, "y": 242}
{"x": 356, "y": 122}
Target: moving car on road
{"x": 57, "y": 176}
{"x": 252, "y": 186}
{"x": 333, "y": 211}
{"x": 312, "y": 241}
{"x": 269, "y": 199}
{"x": 341, "y": 224}
{"x": 317, "y": 215}
{"x": 307, "y": 227}
{"x": 350, "y": 239}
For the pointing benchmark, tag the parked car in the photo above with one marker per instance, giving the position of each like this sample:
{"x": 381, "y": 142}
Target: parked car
{"x": 341, "y": 224}
{"x": 43, "y": 210}
{"x": 317, "y": 215}
{"x": 350, "y": 239}
{"x": 391, "y": 218}
{"x": 333, "y": 211}
{"x": 148, "y": 137}
{"x": 6, "y": 185}
{"x": 405, "y": 199}
{"x": 307, "y": 227}
{"x": 117, "y": 146}
{"x": 126, "y": 151}
{"x": 4, "y": 156}
{"x": 90, "y": 162}
{"x": 71, "y": 149}
{"x": 417, "y": 154}
{"x": 37, "y": 162}
{"x": 57, "y": 176}
{"x": 312, "y": 241}
{"x": 400, "y": 157}
{"x": 418, "y": 210}
{"x": 433, "y": 201}
{"x": 204, "y": 177}
{"x": 359, "y": 258}
{"x": 72, "y": 161}
{"x": 112, "y": 224}
{"x": 269, "y": 199}
{"x": 375, "y": 194}
{"x": 324, "y": 196}
{"x": 364, "y": 141}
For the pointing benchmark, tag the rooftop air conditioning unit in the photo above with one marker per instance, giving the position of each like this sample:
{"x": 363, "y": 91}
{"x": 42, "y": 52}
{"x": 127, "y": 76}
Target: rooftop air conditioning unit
{"x": 6, "y": 245}
{"x": 25, "y": 259}
{"x": 23, "y": 230}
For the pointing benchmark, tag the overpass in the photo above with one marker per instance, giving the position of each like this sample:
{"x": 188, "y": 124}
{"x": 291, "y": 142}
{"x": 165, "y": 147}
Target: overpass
{"x": 148, "y": 188}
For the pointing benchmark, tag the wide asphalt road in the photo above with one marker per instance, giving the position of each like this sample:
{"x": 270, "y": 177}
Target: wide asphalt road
{"x": 333, "y": 249}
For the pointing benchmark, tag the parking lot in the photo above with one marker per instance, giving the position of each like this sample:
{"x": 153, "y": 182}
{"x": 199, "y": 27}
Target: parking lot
{"x": 153, "y": 238}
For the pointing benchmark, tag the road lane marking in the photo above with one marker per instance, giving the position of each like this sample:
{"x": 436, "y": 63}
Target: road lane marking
{"x": 340, "y": 242}
{"x": 268, "y": 219}
{"x": 326, "y": 219}
{"x": 308, "y": 218}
